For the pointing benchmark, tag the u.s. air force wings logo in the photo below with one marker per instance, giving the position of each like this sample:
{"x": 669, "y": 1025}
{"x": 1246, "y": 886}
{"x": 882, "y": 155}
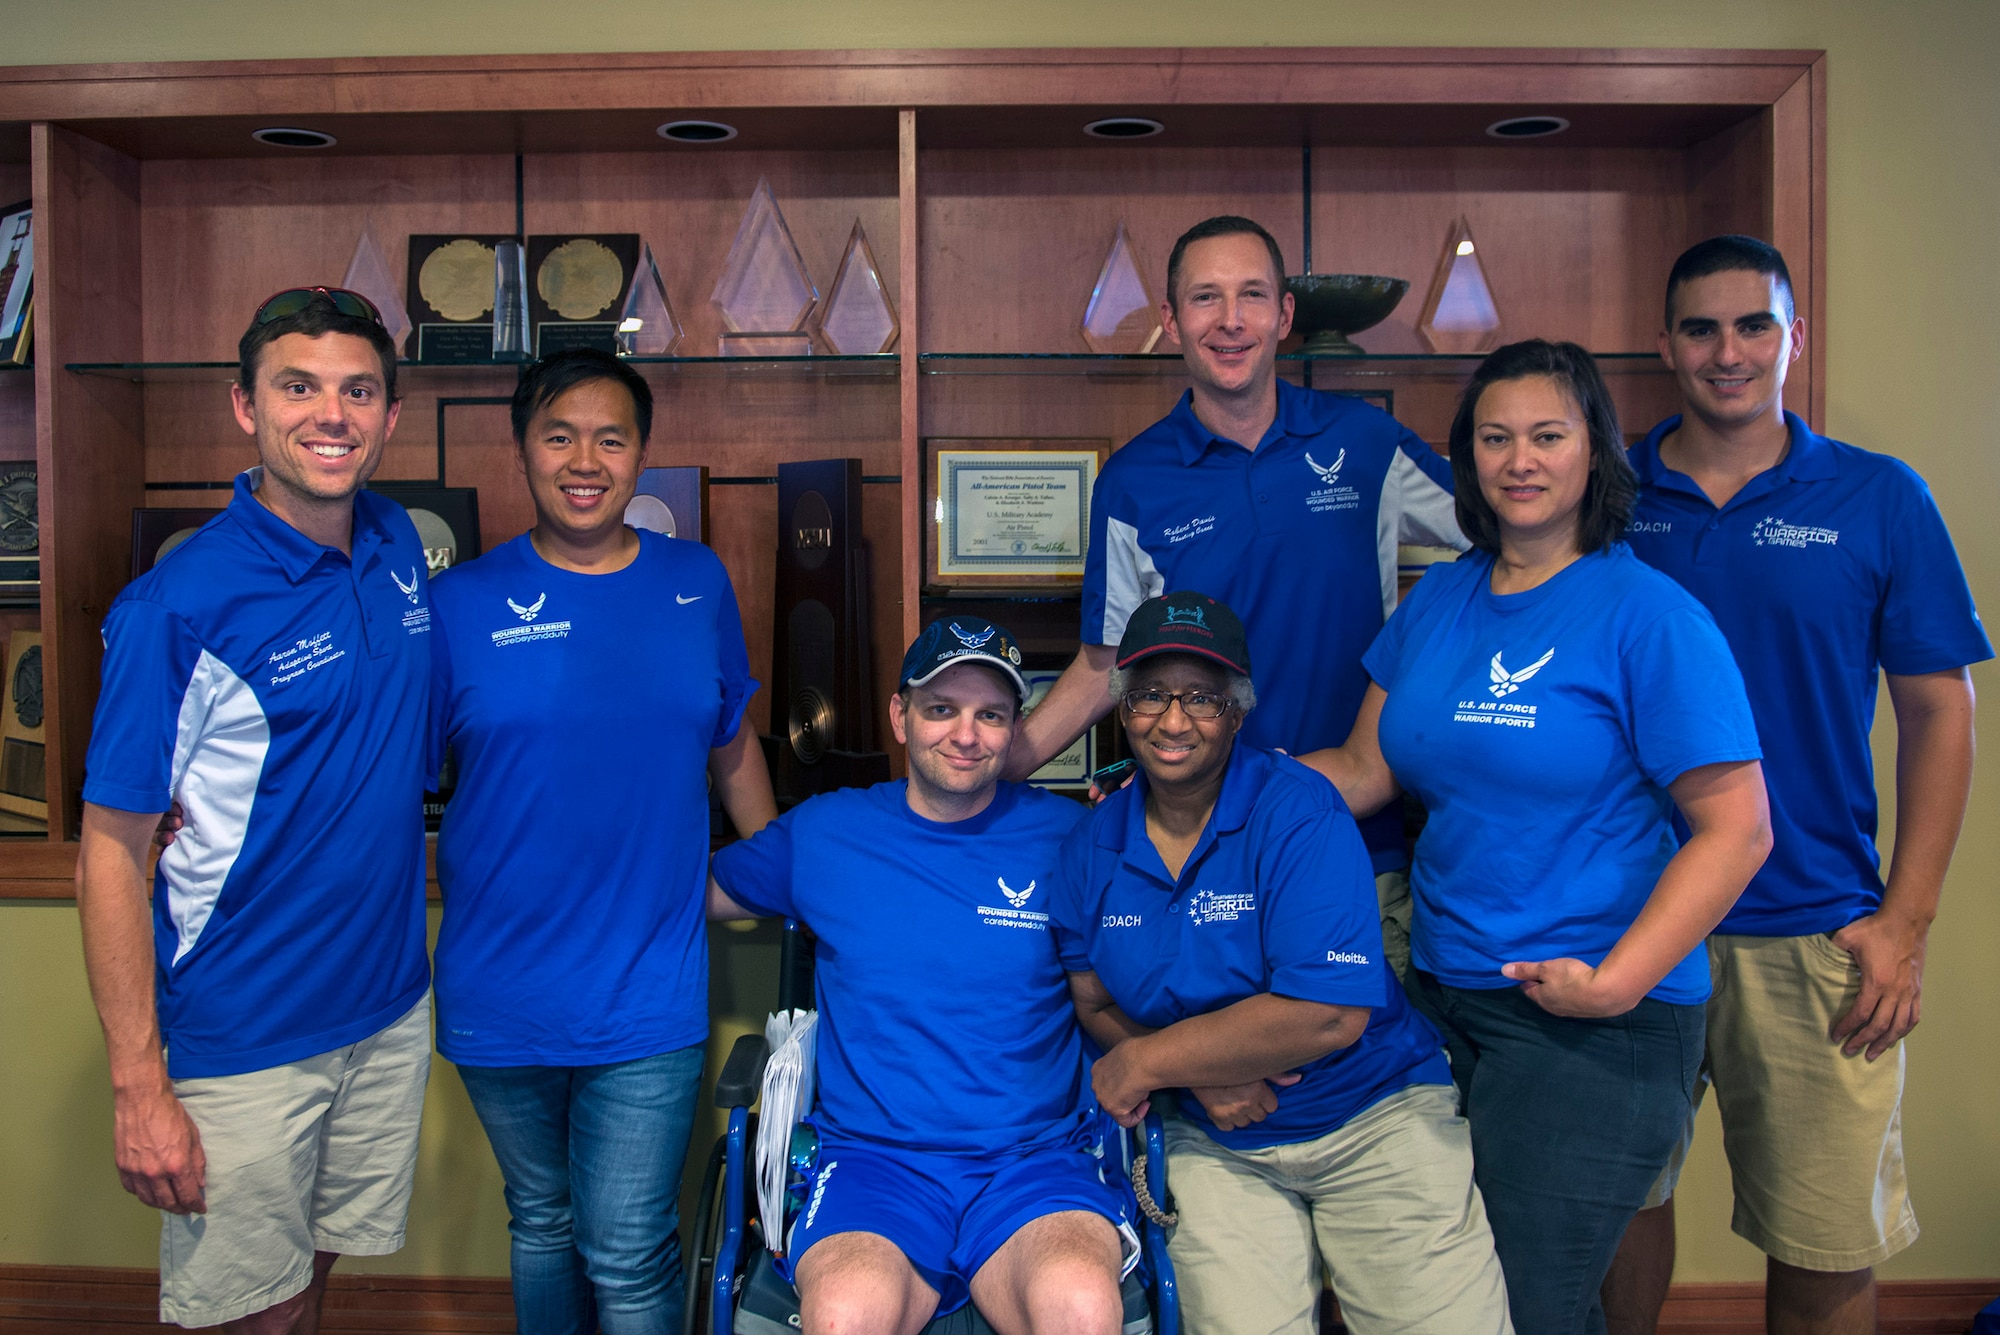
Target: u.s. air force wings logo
{"x": 972, "y": 639}
{"x": 530, "y": 612}
{"x": 1018, "y": 898}
{"x": 1017, "y": 913}
{"x": 1330, "y": 473}
{"x": 1326, "y": 495}
{"x": 410, "y": 589}
{"x": 1505, "y": 683}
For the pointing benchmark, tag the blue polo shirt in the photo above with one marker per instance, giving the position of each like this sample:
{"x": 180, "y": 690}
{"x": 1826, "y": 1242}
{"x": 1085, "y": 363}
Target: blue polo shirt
{"x": 945, "y": 1019}
{"x": 580, "y": 711}
{"x": 1541, "y": 730}
{"x": 277, "y": 690}
{"x": 1298, "y": 537}
{"x": 1826, "y": 567}
{"x": 1278, "y": 896}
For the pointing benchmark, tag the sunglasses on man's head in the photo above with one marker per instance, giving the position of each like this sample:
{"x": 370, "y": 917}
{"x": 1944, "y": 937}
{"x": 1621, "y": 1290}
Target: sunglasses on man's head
{"x": 295, "y": 299}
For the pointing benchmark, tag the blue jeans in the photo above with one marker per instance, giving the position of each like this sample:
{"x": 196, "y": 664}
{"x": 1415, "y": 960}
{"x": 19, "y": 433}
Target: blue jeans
{"x": 1571, "y": 1122}
{"x": 592, "y": 1159}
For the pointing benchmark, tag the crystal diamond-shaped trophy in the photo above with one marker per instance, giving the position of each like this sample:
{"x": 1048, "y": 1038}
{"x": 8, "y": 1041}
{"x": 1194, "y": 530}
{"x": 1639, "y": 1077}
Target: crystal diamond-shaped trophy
{"x": 647, "y": 326}
{"x": 1122, "y": 316}
{"x": 764, "y": 295}
{"x": 1460, "y": 315}
{"x": 857, "y": 316}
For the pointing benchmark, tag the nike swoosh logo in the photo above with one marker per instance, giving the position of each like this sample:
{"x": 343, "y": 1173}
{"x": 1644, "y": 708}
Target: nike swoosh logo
{"x": 685, "y": 601}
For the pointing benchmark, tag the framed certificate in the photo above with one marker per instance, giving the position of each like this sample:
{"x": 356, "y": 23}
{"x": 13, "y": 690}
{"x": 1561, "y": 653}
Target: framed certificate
{"x": 1009, "y": 512}
{"x": 1068, "y": 771}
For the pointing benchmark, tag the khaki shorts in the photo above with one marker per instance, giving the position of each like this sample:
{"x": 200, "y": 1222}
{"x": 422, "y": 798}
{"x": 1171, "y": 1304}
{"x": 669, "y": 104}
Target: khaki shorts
{"x": 1814, "y": 1138}
{"x": 1386, "y": 1203}
{"x": 1392, "y": 892}
{"x": 314, "y": 1155}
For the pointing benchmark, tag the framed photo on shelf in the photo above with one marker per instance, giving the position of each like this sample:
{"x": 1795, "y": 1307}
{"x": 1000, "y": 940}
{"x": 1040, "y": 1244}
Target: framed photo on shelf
{"x": 1009, "y": 512}
{"x": 447, "y": 520}
{"x": 1068, "y": 771}
{"x": 158, "y": 530}
{"x": 673, "y": 501}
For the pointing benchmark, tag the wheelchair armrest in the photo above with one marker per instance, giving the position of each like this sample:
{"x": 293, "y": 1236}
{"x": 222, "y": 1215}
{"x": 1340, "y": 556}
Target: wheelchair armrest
{"x": 742, "y": 1077}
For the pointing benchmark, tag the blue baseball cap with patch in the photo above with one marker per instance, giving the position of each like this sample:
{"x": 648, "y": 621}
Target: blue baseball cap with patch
{"x": 962, "y": 639}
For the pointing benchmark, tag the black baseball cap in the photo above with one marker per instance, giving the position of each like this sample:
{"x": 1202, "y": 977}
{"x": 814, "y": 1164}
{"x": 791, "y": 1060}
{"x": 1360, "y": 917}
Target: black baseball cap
{"x": 962, "y": 639}
{"x": 1185, "y": 623}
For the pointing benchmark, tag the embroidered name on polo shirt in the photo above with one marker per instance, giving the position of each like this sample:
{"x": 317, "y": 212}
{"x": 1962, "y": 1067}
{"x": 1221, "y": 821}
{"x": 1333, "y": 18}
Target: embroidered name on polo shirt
{"x": 303, "y": 656}
{"x": 1194, "y": 528}
{"x": 1772, "y": 531}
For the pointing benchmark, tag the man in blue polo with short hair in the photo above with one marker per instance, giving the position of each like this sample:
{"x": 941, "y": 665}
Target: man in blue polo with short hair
{"x": 1823, "y": 564}
{"x": 954, "y": 1119}
{"x": 269, "y": 1030}
{"x": 1286, "y": 504}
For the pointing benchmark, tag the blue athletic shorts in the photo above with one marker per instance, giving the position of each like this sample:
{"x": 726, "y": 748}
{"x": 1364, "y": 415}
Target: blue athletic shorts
{"x": 948, "y": 1213}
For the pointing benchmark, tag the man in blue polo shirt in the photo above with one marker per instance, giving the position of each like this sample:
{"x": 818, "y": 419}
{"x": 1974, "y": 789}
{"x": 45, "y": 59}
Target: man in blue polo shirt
{"x": 1822, "y": 564}
{"x": 954, "y": 1123}
{"x": 269, "y": 1034}
{"x": 1286, "y": 504}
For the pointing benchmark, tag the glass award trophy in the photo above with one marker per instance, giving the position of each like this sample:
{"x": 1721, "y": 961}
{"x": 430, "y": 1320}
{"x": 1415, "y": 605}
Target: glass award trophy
{"x": 857, "y": 316}
{"x": 1460, "y": 315}
{"x": 1122, "y": 316}
{"x": 510, "y": 300}
{"x": 764, "y": 295}
{"x": 647, "y": 326}
{"x": 368, "y": 274}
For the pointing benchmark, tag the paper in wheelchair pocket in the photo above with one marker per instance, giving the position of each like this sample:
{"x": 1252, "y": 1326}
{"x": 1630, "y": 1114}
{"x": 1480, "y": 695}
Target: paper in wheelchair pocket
{"x": 787, "y": 1097}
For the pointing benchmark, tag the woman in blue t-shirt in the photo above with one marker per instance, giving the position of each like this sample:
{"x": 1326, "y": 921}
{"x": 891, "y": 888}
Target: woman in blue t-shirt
{"x": 590, "y": 680}
{"x": 1551, "y": 700}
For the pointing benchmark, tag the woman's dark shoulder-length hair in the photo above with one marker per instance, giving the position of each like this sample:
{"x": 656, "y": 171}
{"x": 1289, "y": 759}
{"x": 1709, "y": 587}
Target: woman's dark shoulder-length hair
{"x": 1614, "y": 489}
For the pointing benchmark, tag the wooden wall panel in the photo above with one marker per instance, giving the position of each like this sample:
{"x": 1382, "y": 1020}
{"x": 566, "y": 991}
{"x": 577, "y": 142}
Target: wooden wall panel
{"x": 89, "y": 434}
{"x": 1797, "y": 168}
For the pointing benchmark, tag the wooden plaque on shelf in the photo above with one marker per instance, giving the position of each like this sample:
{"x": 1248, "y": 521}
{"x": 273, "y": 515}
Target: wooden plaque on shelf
{"x": 1009, "y": 512}
{"x": 577, "y": 287}
{"x": 447, "y": 520}
{"x": 450, "y": 297}
{"x": 24, "y": 787}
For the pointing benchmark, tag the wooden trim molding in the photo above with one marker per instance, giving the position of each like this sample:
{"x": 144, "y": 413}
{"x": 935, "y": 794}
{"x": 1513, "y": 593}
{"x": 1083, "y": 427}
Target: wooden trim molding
{"x": 58, "y": 1300}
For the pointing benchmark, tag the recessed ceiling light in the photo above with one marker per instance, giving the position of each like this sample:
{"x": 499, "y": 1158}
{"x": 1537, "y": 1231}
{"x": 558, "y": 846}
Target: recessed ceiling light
{"x": 284, "y": 136}
{"x": 1123, "y": 127}
{"x": 697, "y": 132}
{"x": 1527, "y": 127}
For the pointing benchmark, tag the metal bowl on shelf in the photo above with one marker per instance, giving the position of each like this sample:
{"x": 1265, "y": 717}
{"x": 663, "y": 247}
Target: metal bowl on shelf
{"x": 1329, "y": 308}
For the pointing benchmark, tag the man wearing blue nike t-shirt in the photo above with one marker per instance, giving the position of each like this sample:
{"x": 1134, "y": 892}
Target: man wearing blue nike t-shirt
{"x": 1823, "y": 565}
{"x": 270, "y": 676}
{"x": 1286, "y": 504}
{"x": 954, "y": 1156}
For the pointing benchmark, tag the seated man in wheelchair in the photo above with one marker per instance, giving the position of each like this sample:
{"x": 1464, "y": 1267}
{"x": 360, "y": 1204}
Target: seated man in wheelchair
{"x": 954, "y": 1116}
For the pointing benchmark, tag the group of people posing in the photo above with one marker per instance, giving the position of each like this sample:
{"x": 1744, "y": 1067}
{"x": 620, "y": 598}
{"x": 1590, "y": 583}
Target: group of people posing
{"x": 1456, "y": 1086}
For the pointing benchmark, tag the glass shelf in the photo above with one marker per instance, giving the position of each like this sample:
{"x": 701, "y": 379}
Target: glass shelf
{"x": 418, "y": 373}
{"x": 9, "y": 367}
{"x": 1171, "y": 364}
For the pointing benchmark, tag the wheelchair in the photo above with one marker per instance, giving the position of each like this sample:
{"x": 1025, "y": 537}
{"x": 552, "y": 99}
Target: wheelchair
{"x": 733, "y": 1284}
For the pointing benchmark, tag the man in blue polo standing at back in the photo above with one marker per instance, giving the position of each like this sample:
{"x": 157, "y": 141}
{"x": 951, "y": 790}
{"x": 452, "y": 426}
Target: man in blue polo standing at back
{"x": 1823, "y": 565}
{"x": 1288, "y": 505}
{"x": 269, "y": 1029}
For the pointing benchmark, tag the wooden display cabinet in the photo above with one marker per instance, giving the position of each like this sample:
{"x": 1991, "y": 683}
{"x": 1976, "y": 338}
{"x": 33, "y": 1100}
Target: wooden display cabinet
{"x": 161, "y": 224}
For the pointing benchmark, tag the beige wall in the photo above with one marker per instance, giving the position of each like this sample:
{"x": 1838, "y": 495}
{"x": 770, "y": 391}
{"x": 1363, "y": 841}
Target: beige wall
{"x": 1913, "y": 368}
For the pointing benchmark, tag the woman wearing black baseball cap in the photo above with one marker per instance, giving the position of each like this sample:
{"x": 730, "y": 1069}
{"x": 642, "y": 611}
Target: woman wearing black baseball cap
{"x": 1219, "y": 924}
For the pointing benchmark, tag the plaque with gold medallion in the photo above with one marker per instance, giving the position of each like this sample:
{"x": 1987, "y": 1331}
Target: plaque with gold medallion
{"x": 451, "y": 298}
{"x": 577, "y": 287}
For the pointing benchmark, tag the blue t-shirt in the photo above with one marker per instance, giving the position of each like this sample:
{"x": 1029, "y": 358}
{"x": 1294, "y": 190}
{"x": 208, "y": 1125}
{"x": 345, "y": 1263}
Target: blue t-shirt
{"x": 277, "y": 690}
{"x": 580, "y": 711}
{"x": 945, "y": 1019}
{"x": 1278, "y": 896}
{"x": 1825, "y": 567}
{"x": 1298, "y": 537}
{"x": 1541, "y": 730}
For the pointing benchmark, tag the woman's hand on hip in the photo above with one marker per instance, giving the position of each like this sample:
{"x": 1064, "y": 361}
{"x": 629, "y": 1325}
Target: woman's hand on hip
{"x": 1570, "y": 988}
